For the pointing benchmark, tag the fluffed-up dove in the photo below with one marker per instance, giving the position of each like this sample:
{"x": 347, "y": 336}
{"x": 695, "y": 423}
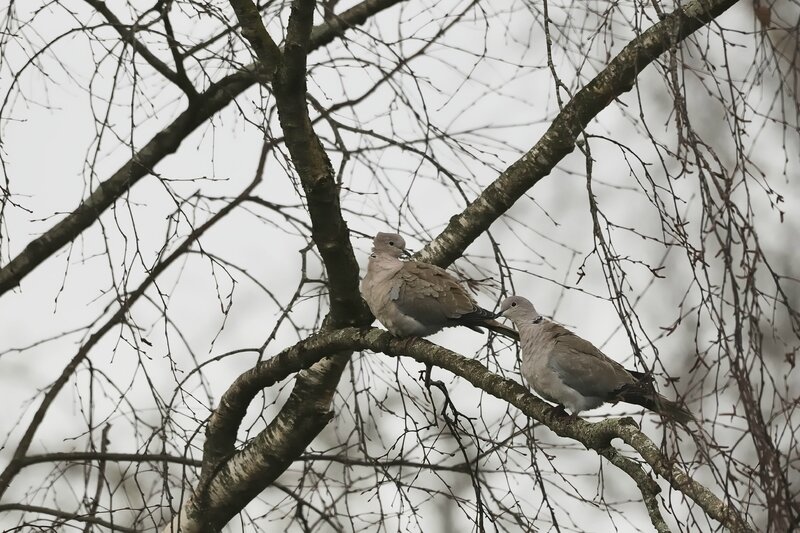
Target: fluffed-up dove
{"x": 416, "y": 299}
{"x": 570, "y": 371}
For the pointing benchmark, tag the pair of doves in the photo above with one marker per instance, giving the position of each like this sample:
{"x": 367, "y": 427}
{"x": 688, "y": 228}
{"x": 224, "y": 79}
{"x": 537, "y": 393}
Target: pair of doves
{"x": 416, "y": 299}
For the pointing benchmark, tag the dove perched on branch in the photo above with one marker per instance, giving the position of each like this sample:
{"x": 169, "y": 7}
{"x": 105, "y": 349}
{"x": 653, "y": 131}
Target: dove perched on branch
{"x": 416, "y": 299}
{"x": 567, "y": 370}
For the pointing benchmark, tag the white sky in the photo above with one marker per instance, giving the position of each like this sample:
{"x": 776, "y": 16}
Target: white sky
{"x": 49, "y": 130}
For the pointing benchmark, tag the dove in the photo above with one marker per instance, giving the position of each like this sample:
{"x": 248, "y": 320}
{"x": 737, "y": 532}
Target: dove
{"x": 416, "y": 299}
{"x": 570, "y": 371}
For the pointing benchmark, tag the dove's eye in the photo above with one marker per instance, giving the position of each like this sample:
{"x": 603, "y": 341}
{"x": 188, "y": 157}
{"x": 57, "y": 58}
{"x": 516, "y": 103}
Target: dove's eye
{"x": 513, "y": 304}
{"x": 391, "y": 243}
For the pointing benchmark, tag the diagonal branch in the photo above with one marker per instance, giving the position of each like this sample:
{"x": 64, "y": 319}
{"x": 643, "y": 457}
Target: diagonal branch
{"x": 18, "y": 459}
{"x": 166, "y": 142}
{"x": 239, "y": 476}
{"x": 128, "y": 35}
{"x": 559, "y": 140}
{"x": 161, "y": 145}
{"x": 256, "y": 34}
{"x": 328, "y": 228}
{"x": 244, "y": 474}
{"x": 310, "y": 398}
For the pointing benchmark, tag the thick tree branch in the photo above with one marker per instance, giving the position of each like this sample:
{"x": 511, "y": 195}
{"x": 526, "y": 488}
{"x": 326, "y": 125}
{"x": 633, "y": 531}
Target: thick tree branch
{"x": 681, "y": 481}
{"x": 166, "y": 142}
{"x": 328, "y": 228}
{"x": 330, "y": 235}
{"x": 237, "y": 475}
{"x": 559, "y": 140}
{"x": 268, "y": 53}
{"x": 307, "y": 410}
{"x": 225, "y": 420}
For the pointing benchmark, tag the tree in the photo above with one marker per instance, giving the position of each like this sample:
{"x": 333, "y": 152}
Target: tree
{"x": 209, "y": 362}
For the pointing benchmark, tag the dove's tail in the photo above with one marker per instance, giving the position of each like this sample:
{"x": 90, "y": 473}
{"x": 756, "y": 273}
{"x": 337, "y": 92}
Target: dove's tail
{"x": 675, "y": 411}
{"x": 500, "y": 329}
{"x": 672, "y": 410}
{"x": 650, "y": 399}
{"x": 483, "y": 318}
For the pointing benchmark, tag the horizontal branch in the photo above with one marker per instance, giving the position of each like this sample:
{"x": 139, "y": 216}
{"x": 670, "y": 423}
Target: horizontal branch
{"x": 14, "y": 466}
{"x": 461, "y": 468}
{"x": 121, "y": 457}
{"x": 76, "y": 457}
{"x": 65, "y": 515}
{"x": 596, "y": 436}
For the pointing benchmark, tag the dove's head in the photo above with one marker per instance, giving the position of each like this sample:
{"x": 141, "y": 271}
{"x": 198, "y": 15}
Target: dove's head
{"x": 518, "y": 309}
{"x": 390, "y": 244}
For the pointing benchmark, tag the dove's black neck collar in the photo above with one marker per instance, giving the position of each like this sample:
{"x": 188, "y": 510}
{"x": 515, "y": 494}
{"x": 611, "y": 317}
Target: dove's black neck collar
{"x": 538, "y": 319}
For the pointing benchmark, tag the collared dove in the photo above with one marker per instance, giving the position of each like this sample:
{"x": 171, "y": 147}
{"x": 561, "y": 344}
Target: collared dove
{"x": 567, "y": 370}
{"x": 416, "y": 299}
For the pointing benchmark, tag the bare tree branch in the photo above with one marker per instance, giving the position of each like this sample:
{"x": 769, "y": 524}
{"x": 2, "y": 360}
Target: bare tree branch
{"x": 76, "y": 457}
{"x": 331, "y": 236}
{"x": 166, "y": 142}
{"x": 328, "y": 227}
{"x": 404, "y": 108}
{"x": 308, "y": 409}
{"x": 129, "y": 36}
{"x": 18, "y": 458}
{"x": 256, "y": 34}
{"x": 242, "y": 466}
{"x": 559, "y": 140}
{"x": 64, "y": 515}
